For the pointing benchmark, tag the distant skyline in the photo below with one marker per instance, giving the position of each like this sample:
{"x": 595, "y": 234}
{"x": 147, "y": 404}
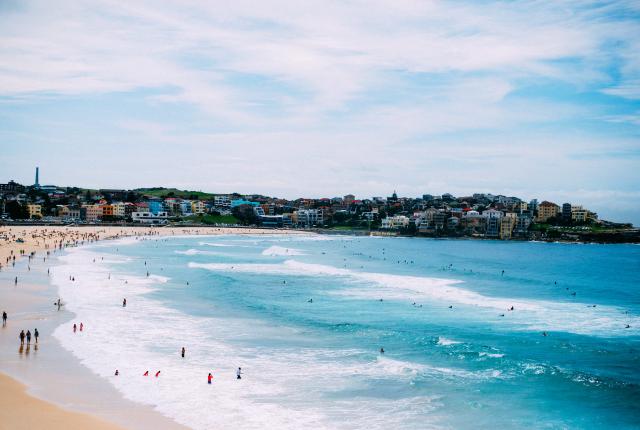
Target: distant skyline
{"x": 321, "y": 98}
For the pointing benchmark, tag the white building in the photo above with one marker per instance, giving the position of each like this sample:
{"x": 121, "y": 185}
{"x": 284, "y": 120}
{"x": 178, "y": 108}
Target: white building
{"x": 395, "y": 222}
{"x": 222, "y": 201}
{"x": 310, "y": 217}
{"x": 149, "y": 218}
{"x": 492, "y": 213}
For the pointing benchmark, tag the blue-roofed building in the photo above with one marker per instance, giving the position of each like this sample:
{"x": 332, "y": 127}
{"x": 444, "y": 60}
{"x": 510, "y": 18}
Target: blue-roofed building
{"x": 156, "y": 206}
{"x": 240, "y": 202}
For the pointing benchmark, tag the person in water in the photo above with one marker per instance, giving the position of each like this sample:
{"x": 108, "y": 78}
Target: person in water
{"x": 183, "y": 351}
{"x": 124, "y": 303}
{"x": 209, "y": 378}
{"x": 117, "y": 373}
{"x": 239, "y": 373}
{"x": 74, "y": 328}
{"x": 81, "y": 326}
{"x": 381, "y": 350}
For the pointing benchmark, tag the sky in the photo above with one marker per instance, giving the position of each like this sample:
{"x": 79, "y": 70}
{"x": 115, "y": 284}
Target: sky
{"x": 324, "y": 98}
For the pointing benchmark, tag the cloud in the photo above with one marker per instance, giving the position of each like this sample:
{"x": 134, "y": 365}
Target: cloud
{"x": 367, "y": 95}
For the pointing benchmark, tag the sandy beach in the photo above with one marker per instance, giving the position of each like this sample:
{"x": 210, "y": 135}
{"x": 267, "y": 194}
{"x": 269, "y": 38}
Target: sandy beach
{"x": 21, "y": 241}
{"x": 21, "y": 411}
{"x": 44, "y": 386}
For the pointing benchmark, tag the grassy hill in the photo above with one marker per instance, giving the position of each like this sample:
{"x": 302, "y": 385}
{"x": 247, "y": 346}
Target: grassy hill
{"x": 174, "y": 192}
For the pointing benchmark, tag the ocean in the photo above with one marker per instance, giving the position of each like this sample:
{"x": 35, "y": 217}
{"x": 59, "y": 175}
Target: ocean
{"x": 306, "y": 316}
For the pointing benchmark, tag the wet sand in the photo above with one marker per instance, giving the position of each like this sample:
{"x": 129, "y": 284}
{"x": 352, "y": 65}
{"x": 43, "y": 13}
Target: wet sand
{"x": 22, "y": 411}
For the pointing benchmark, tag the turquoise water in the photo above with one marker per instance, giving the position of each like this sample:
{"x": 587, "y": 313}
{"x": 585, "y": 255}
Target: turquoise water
{"x": 306, "y": 317}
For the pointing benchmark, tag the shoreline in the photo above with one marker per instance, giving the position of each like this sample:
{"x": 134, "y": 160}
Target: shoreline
{"x": 49, "y": 378}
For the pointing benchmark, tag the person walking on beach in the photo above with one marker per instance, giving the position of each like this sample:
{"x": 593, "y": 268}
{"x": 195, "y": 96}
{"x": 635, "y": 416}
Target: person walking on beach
{"x": 124, "y": 303}
{"x": 81, "y": 326}
{"x": 28, "y": 337}
{"x": 21, "y": 337}
{"x": 4, "y": 318}
{"x": 74, "y": 328}
{"x": 183, "y": 351}
{"x": 15, "y": 282}
{"x": 36, "y": 334}
{"x": 209, "y": 378}
{"x": 239, "y": 373}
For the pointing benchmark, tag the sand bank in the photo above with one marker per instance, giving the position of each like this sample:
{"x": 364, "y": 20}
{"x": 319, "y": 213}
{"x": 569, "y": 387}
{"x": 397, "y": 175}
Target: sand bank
{"x": 23, "y": 240}
{"x": 22, "y": 411}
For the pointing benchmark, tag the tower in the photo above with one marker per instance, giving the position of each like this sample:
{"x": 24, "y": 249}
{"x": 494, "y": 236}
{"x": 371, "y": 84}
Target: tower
{"x": 37, "y": 184}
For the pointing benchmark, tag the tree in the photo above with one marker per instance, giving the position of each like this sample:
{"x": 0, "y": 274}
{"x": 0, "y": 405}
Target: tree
{"x": 245, "y": 214}
{"x": 132, "y": 197}
{"x": 16, "y": 210}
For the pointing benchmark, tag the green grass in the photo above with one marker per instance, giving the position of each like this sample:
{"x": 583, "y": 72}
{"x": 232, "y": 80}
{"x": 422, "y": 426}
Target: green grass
{"x": 174, "y": 192}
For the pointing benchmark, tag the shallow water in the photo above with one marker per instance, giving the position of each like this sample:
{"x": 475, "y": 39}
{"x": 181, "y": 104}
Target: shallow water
{"x": 306, "y": 316}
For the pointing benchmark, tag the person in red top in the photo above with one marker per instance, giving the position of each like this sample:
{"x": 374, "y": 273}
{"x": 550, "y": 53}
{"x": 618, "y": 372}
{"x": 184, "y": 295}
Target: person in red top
{"x": 209, "y": 378}
{"x": 157, "y": 373}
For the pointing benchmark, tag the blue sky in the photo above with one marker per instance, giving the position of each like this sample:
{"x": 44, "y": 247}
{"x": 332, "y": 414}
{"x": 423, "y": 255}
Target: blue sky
{"x": 324, "y": 98}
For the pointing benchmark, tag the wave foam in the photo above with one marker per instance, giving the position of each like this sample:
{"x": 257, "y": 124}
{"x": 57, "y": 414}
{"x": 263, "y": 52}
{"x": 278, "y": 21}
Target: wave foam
{"x": 281, "y": 251}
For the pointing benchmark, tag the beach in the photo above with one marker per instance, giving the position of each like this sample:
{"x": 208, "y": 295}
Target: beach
{"x": 43, "y": 385}
{"x": 330, "y": 332}
{"x": 21, "y": 411}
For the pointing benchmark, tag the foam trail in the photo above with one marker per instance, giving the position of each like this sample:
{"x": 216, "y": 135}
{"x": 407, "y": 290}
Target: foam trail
{"x": 281, "y": 251}
{"x": 529, "y": 314}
